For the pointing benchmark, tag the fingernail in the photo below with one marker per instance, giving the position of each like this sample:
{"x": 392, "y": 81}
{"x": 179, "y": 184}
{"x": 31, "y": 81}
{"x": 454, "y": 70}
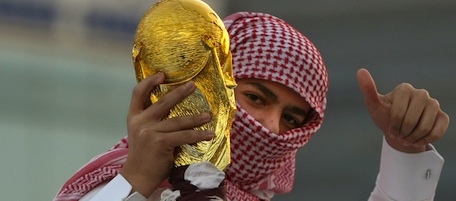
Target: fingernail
{"x": 161, "y": 74}
{"x": 205, "y": 117}
{"x": 210, "y": 134}
{"x": 189, "y": 85}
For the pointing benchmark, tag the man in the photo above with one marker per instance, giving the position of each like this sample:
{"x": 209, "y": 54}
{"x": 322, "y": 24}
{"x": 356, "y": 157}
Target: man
{"x": 281, "y": 99}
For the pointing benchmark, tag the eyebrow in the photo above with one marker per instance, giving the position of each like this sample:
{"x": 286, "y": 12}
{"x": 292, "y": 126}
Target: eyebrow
{"x": 298, "y": 111}
{"x": 273, "y": 96}
{"x": 265, "y": 90}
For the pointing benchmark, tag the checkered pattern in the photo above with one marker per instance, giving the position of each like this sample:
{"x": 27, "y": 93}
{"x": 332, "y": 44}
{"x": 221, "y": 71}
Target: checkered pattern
{"x": 266, "y": 47}
{"x": 101, "y": 168}
{"x": 263, "y": 47}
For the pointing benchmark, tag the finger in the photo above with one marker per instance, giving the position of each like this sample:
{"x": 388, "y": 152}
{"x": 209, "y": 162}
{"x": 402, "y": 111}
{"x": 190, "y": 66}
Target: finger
{"x": 400, "y": 99}
{"x": 440, "y": 127}
{"x": 423, "y": 127}
{"x": 414, "y": 115}
{"x": 184, "y": 122}
{"x": 142, "y": 91}
{"x": 162, "y": 107}
{"x": 368, "y": 88}
{"x": 182, "y": 137}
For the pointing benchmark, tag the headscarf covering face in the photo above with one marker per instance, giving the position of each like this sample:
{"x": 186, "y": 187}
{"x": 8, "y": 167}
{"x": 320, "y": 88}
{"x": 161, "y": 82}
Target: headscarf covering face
{"x": 266, "y": 47}
{"x": 263, "y": 163}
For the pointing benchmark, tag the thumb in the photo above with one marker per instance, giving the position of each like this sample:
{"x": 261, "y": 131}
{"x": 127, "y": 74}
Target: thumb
{"x": 367, "y": 86}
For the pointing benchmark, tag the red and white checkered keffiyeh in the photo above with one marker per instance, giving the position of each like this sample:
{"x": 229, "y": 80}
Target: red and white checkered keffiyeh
{"x": 263, "y": 163}
{"x": 266, "y": 47}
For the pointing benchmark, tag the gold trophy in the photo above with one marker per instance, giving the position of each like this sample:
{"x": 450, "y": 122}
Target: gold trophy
{"x": 187, "y": 40}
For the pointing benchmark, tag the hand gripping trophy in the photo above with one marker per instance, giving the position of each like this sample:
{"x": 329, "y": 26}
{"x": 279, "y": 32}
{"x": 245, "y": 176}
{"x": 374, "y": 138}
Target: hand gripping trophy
{"x": 187, "y": 40}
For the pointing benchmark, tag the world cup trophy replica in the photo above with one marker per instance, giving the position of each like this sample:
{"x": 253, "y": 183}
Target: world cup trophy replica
{"x": 187, "y": 41}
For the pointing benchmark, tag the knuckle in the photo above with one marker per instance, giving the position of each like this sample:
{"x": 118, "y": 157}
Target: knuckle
{"x": 136, "y": 91}
{"x": 160, "y": 139}
{"x": 188, "y": 135}
{"x": 134, "y": 124}
{"x": 433, "y": 138}
{"x": 412, "y": 138}
{"x": 408, "y": 124}
{"x": 434, "y": 102}
{"x": 446, "y": 117}
{"x": 150, "y": 137}
{"x": 425, "y": 129}
{"x": 422, "y": 93}
{"x": 143, "y": 135}
{"x": 405, "y": 86}
{"x": 143, "y": 132}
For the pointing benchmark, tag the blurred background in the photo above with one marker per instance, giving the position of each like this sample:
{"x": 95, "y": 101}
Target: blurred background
{"x": 66, "y": 77}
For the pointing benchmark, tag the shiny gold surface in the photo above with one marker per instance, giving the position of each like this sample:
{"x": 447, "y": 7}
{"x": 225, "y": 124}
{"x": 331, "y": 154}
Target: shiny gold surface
{"x": 187, "y": 40}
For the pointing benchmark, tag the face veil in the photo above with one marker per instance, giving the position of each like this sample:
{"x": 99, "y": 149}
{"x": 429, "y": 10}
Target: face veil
{"x": 266, "y": 47}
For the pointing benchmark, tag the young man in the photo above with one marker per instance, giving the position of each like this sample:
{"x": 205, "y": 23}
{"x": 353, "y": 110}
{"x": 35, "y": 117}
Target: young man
{"x": 281, "y": 99}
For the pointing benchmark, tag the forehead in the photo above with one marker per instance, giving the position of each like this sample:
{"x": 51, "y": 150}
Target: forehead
{"x": 265, "y": 83}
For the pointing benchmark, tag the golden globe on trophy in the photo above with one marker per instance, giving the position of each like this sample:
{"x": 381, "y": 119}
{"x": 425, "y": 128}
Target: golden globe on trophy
{"x": 187, "y": 40}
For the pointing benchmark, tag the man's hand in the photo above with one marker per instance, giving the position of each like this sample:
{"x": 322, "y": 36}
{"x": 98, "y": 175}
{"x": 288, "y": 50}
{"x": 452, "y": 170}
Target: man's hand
{"x": 409, "y": 118}
{"x": 152, "y": 138}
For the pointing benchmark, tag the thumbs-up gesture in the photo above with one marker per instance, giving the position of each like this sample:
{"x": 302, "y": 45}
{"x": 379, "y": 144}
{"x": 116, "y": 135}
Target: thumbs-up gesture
{"x": 409, "y": 118}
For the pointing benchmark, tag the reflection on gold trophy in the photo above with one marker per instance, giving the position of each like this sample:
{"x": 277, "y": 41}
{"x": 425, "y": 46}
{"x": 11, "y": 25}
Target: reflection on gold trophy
{"x": 187, "y": 40}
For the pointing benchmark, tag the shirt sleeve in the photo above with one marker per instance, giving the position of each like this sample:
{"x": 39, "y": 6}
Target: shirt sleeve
{"x": 118, "y": 189}
{"x": 406, "y": 176}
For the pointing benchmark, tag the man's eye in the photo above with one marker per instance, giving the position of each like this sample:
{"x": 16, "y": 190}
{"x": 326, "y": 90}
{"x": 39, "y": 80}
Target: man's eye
{"x": 254, "y": 98}
{"x": 292, "y": 121}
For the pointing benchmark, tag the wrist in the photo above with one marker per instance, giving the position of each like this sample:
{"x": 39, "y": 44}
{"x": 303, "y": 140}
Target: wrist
{"x": 399, "y": 145}
{"x": 144, "y": 185}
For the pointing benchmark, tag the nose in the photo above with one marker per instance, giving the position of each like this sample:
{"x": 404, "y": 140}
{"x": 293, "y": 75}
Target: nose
{"x": 271, "y": 120}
